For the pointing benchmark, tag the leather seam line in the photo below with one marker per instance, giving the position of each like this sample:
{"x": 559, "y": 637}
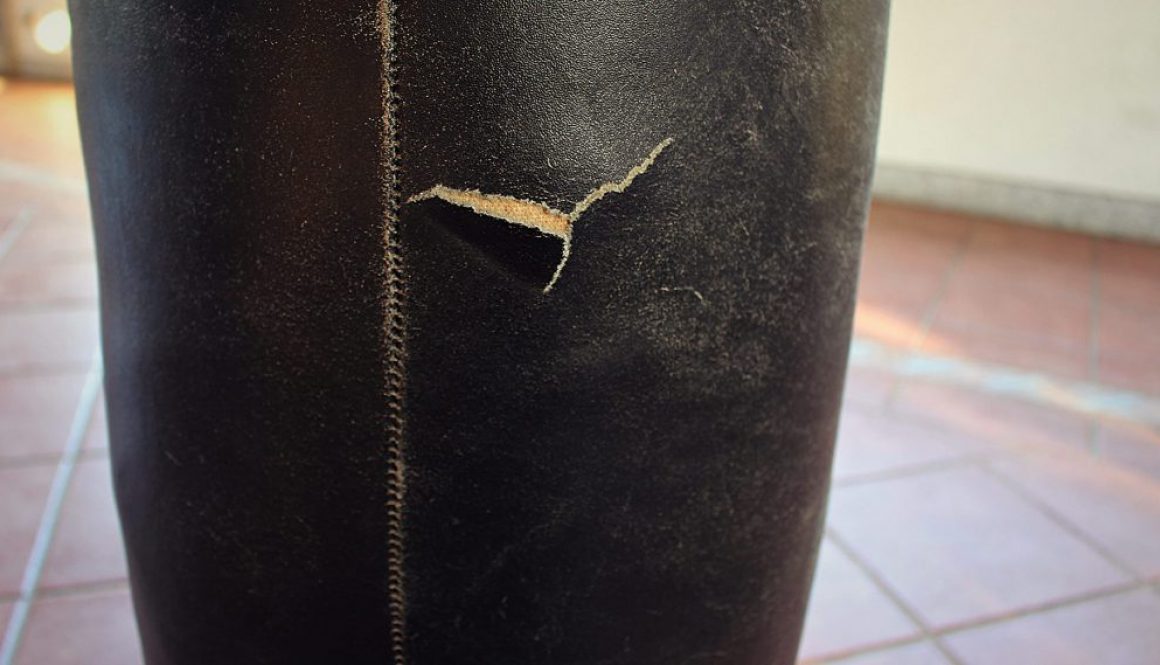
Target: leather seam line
{"x": 394, "y": 342}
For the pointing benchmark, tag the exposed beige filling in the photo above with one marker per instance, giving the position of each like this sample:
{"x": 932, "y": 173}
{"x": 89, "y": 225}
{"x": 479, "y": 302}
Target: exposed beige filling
{"x": 536, "y": 215}
{"x": 531, "y": 214}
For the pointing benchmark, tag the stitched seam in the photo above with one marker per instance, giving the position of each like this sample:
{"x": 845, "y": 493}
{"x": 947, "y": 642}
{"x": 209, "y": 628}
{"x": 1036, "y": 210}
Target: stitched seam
{"x": 394, "y": 344}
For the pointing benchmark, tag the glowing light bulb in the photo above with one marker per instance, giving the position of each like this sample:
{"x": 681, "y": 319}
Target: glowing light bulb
{"x": 53, "y": 31}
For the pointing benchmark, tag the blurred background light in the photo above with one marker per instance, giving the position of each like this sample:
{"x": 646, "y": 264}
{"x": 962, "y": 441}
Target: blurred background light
{"x": 53, "y": 31}
{"x": 35, "y": 39}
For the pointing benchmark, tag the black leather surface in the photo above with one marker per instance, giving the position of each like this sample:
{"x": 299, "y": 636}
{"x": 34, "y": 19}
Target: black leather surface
{"x": 630, "y": 469}
{"x": 234, "y": 173}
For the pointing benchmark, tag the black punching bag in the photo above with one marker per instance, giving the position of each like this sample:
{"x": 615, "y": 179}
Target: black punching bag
{"x": 475, "y": 333}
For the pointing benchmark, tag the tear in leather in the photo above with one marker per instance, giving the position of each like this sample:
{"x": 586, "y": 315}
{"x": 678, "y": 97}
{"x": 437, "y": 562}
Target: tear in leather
{"x": 543, "y": 220}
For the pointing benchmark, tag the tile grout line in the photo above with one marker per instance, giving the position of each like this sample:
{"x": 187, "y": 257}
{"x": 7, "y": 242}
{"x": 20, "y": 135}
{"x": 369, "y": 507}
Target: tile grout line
{"x": 876, "y": 648}
{"x": 13, "y": 232}
{"x": 1061, "y": 521}
{"x": 85, "y": 588}
{"x": 20, "y": 173}
{"x": 29, "y": 461}
{"x": 51, "y": 515}
{"x": 1003, "y": 449}
{"x": 928, "y": 317}
{"x": 71, "y": 589}
{"x": 837, "y": 657}
{"x": 944, "y": 286}
{"x": 43, "y": 369}
{"x": 1094, "y": 425}
{"x": 67, "y": 303}
{"x": 918, "y": 469}
{"x": 1046, "y": 606}
{"x": 935, "y": 635}
{"x": 878, "y": 581}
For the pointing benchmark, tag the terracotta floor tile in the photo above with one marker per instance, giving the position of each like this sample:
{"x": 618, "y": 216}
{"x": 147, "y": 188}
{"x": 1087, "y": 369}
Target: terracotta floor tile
{"x": 868, "y": 387}
{"x": 1060, "y": 246}
{"x": 1017, "y": 313}
{"x": 11, "y": 209}
{"x": 958, "y": 545}
{"x": 921, "y": 259}
{"x": 56, "y": 283}
{"x": 36, "y": 412}
{"x": 1118, "y": 630}
{"x": 1035, "y": 275}
{"x": 892, "y": 323}
{"x": 48, "y": 339}
{"x": 888, "y": 218}
{"x": 990, "y": 417}
{"x": 901, "y": 286}
{"x": 908, "y": 264}
{"x": 1129, "y": 333}
{"x": 1138, "y": 374}
{"x": 999, "y": 348}
{"x": 44, "y": 163}
{"x": 896, "y": 297}
{"x": 23, "y": 492}
{"x": 1131, "y": 446}
{"x": 1130, "y": 275}
{"x": 88, "y": 629}
{"x": 875, "y": 443}
{"x": 1116, "y": 508}
{"x": 910, "y": 247}
{"x": 38, "y": 127}
{"x": 919, "y": 653}
{"x": 87, "y": 545}
{"x": 847, "y": 611}
{"x": 5, "y": 615}
{"x": 54, "y": 200}
{"x": 42, "y": 242}
{"x": 1130, "y": 290}
{"x": 1125, "y": 257}
{"x": 10, "y": 212}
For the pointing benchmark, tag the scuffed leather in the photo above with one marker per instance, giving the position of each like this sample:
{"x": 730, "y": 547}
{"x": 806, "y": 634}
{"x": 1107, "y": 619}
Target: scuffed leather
{"x": 630, "y": 469}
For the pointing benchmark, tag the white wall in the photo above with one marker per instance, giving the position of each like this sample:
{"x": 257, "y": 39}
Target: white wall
{"x": 1057, "y": 94}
